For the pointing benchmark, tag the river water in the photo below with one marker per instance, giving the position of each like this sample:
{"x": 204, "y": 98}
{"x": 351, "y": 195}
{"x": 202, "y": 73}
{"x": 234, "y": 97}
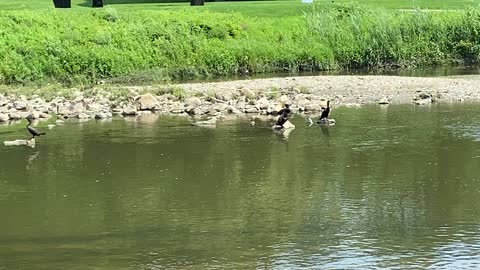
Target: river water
{"x": 394, "y": 187}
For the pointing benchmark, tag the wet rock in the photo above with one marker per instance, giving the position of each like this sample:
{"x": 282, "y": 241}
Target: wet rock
{"x": 425, "y": 101}
{"x": 129, "y": 110}
{"x": 384, "y": 101}
{"x": 177, "y": 108}
{"x": 59, "y": 122}
{"x": 101, "y": 116}
{"x": 4, "y": 117}
{"x": 147, "y": 102}
{"x": 83, "y": 116}
{"x": 251, "y": 109}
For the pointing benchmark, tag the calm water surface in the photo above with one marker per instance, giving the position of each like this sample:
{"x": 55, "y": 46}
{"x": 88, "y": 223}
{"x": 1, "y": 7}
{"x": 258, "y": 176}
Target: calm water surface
{"x": 393, "y": 187}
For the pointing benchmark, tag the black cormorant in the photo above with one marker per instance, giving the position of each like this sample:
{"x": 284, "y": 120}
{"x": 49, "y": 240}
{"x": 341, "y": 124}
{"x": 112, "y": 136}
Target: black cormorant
{"x": 32, "y": 130}
{"x": 283, "y": 115}
{"x": 325, "y": 112}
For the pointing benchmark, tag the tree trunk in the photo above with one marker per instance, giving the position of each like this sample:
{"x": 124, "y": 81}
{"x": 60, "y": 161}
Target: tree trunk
{"x": 62, "y": 3}
{"x": 196, "y": 2}
{"x": 97, "y": 3}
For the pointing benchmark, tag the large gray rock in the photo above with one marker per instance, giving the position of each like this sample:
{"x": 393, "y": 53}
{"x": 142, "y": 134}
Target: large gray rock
{"x": 19, "y": 115}
{"x": 248, "y": 93}
{"x": 262, "y": 103}
{"x": 225, "y": 95}
{"x": 251, "y": 109}
{"x": 4, "y": 117}
{"x": 193, "y": 102}
{"x": 20, "y": 105}
{"x": 147, "y": 102}
{"x": 77, "y": 108}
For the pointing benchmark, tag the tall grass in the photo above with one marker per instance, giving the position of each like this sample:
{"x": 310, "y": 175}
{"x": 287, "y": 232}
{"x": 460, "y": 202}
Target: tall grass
{"x": 366, "y": 37}
{"x": 74, "y": 47}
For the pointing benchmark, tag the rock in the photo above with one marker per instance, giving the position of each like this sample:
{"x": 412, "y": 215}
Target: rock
{"x": 312, "y": 107}
{"x": 384, "y": 101}
{"x": 3, "y": 109}
{"x": 83, "y": 116}
{"x": 20, "y": 105}
{"x": 77, "y": 108}
{"x": 59, "y": 122}
{"x": 248, "y": 93}
{"x": 211, "y": 122}
{"x": 241, "y": 105}
{"x": 19, "y": 115}
{"x": 225, "y": 95}
{"x": 147, "y": 102}
{"x": 425, "y": 101}
{"x": 4, "y": 117}
{"x": 94, "y": 107}
{"x": 283, "y": 99}
{"x": 50, "y": 126}
{"x": 101, "y": 116}
{"x": 45, "y": 115}
{"x": 193, "y": 102}
{"x": 129, "y": 110}
{"x": 177, "y": 108}
{"x": 30, "y": 143}
{"x": 35, "y": 115}
{"x": 251, "y": 109}
{"x": 262, "y": 103}
{"x": 302, "y": 101}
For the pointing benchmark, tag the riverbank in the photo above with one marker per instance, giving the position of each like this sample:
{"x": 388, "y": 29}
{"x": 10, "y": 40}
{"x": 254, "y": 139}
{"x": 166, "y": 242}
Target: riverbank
{"x": 259, "y": 96}
{"x": 80, "y": 47}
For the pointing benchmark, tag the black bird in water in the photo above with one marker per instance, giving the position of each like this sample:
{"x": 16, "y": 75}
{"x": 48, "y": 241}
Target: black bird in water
{"x": 325, "y": 112}
{"x": 283, "y": 115}
{"x": 32, "y": 130}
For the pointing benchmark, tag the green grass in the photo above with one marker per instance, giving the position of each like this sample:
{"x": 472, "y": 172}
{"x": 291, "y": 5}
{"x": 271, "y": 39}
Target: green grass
{"x": 84, "y": 46}
{"x": 249, "y": 8}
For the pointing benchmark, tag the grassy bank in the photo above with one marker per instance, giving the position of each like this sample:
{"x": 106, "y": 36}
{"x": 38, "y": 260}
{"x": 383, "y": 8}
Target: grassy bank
{"x": 81, "y": 47}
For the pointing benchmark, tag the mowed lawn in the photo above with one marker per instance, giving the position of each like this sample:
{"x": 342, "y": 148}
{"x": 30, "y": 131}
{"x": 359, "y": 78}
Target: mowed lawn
{"x": 277, "y": 8}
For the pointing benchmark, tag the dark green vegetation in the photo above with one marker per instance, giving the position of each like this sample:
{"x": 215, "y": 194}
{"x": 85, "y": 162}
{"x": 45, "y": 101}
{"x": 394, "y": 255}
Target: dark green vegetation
{"x": 144, "y": 193}
{"x": 84, "y": 46}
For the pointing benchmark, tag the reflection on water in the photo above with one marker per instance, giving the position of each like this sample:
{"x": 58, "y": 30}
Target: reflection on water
{"x": 152, "y": 193}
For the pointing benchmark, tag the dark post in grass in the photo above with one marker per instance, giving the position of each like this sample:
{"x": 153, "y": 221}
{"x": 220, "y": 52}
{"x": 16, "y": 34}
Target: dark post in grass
{"x": 196, "y": 2}
{"x": 62, "y": 3}
{"x": 97, "y": 3}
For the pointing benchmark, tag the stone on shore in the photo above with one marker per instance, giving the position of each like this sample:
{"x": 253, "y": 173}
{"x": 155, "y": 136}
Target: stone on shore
{"x": 147, "y": 102}
{"x": 4, "y": 117}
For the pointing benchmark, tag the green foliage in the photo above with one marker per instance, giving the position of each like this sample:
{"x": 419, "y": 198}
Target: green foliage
{"x": 84, "y": 47}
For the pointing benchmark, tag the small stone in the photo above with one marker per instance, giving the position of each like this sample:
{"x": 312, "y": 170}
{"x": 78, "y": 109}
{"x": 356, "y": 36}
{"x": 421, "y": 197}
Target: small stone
{"x": 384, "y": 101}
